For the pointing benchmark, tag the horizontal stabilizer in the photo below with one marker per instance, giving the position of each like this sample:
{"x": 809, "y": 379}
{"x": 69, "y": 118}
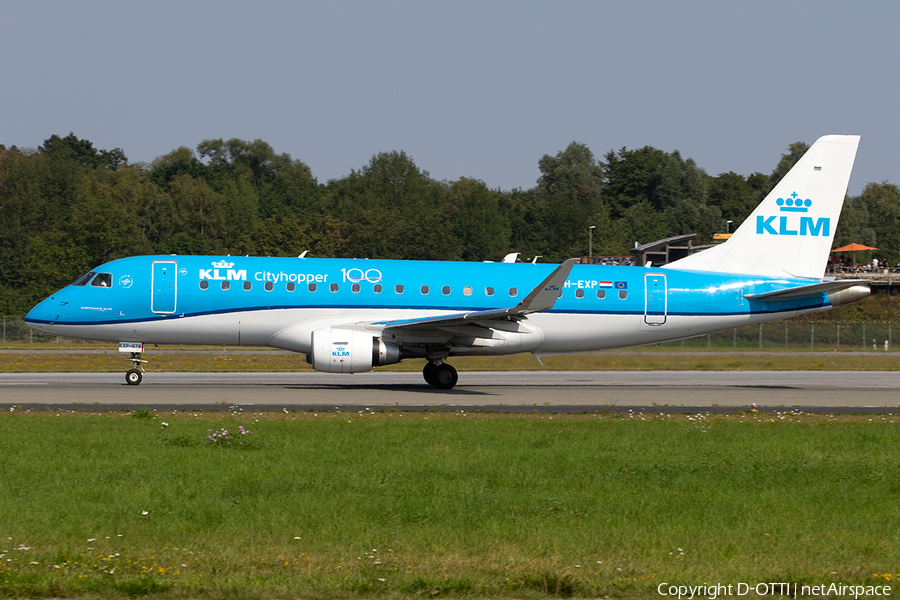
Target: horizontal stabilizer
{"x": 806, "y": 290}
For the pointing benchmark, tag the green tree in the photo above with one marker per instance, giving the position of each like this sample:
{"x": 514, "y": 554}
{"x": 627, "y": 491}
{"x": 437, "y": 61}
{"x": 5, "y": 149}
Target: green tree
{"x": 611, "y": 237}
{"x": 180, "y": 161}
{"x": 643, "y": 224}
{"x": 854, "y": 225}
{"x": 292, "y": 192}
{"x": 882, "y": 201}
{"x": 82, "y": 152}
{"x": 734, "y": 195}
{"x": 240, "y": 207}
{"x": 398, "y": 210}
{"x": 275, "y": 236}
{"x": 480, "y": 226}
{"x": 631, "y": 177}
{"x": 235, "y": 157}
{"x": 795, "y": 152}
{"x": 197, "y": 211}
{"x": 567, "y": 195}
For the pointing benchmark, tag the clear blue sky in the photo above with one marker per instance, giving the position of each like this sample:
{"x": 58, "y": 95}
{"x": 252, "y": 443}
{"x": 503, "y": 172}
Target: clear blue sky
{"x": 476, "y": 89}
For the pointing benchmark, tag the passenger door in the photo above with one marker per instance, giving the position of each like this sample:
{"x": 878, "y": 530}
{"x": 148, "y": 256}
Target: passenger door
{"x": 655, "y": 299}
{"x": 164, "y": 287}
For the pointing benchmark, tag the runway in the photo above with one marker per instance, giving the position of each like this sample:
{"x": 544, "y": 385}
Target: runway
{"x": 518, "y": 391}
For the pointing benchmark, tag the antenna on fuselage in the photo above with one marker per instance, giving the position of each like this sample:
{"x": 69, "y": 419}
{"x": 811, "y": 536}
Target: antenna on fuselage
{"x": 511, "y": 257}
{"x": 303, "y": 254}
{"x": 534, "y": 261}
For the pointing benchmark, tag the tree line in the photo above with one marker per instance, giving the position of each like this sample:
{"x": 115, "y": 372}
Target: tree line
{"x": 67, "y": 207}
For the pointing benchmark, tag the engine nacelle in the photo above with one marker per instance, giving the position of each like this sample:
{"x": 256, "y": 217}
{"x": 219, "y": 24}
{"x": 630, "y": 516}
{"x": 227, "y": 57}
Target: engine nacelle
{"x": 336, "y": 350}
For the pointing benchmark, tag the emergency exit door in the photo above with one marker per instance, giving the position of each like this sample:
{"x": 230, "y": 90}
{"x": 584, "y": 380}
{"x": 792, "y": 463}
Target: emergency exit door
{"x": 655, "y": 299}
{"x": 164, "y": 287}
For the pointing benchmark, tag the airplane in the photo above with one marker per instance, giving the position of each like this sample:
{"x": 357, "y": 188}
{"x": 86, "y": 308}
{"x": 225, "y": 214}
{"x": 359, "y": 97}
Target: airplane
{"x": 351, "y": 315}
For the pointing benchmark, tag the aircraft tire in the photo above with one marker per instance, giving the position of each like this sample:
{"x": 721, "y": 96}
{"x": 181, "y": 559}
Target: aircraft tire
{"x": 428, "y": 373}
{"x": 444, "y": 376}
{"x": 133, "y": 377}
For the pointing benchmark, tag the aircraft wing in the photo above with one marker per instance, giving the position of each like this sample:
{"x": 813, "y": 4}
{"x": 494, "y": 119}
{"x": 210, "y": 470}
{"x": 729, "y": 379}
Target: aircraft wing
{"x": 542, "y": 297}
{"x": 807, "y": 290}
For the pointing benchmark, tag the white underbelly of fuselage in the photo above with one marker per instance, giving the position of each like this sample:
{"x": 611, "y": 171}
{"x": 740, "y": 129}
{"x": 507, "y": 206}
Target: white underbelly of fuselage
{"x": 291, "y": 329}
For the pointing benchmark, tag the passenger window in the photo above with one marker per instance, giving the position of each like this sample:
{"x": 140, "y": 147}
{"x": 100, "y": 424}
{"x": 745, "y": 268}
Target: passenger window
{"x": 579, "y": 293}
{"x": 467, "y": 290}
{"x": 623, "y": 294}
{"x": 601, "y": 294}
{"x": 398, "y": 289}
{"x": 333, "y": 287}
{"x": 291, "y": 286}
{"x": 488, "y": 291}
{"x": 513, "y": 292}
{"x": 424, "y": 290}
{"x": 377, "y": 288}
{"x": 312, "y": 287}
{"x": 102, "y": 280}
{"x": 445, "y": 290}
{"x": 204, "y": 284}
{"x": 247, "y": 285}
{"x": 84, "y": 278}
{"x": 226, "y": 285}
{"x": 269, "y": 286}
{"x": 354, "y": 288}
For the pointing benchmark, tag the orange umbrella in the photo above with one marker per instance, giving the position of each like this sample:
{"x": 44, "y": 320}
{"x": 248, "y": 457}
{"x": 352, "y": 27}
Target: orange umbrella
{"x": 854, "y": 247}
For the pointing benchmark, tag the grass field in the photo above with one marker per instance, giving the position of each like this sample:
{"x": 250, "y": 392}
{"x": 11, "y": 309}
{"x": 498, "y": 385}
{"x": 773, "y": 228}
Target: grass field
{"x": 391, "y": 505}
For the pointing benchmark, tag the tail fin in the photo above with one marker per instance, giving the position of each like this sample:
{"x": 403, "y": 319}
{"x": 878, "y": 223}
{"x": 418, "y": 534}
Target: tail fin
{"x": 790, "y": 233}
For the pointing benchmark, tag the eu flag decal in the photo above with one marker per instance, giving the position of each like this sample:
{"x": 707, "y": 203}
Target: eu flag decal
{"x": 621, "y": 285}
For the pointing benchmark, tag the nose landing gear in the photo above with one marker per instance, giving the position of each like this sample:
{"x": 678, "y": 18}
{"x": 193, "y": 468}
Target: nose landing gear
{"x": 440, "y": 375}
{"x": 134, "y": 375}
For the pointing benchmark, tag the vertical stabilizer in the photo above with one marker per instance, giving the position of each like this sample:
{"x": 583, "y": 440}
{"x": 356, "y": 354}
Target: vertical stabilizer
{"x": 790, "y": 233}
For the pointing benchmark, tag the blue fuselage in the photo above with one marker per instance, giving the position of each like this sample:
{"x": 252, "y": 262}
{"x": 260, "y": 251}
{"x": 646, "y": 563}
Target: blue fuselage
{"x": 252, "y": 301}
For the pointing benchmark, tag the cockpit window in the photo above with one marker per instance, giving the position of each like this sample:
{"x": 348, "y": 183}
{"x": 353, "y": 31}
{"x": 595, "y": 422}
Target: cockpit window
{"x": 102, "y": 280}
{"x": 84, "y": 278}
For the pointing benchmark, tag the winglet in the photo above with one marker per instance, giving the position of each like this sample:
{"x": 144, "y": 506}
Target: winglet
{"x": 544, "y": 296}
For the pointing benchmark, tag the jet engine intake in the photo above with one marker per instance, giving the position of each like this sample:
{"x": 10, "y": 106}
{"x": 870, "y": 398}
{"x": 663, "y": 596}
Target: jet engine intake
{"x": 337, "y": 350}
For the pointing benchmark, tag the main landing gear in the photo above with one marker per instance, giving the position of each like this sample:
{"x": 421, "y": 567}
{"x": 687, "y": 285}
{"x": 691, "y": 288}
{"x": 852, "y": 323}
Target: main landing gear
{"x": 134, "y": 375}
{"x": 440, "y": 375}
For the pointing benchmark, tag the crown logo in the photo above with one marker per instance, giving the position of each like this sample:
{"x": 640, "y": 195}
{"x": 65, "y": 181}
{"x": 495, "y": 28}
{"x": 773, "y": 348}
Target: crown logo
{"x": 223, "y": 264}
{"x": 793, "y": 204}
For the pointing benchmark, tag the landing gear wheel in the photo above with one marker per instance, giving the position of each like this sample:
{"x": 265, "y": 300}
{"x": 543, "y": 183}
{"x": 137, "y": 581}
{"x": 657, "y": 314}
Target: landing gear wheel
{"x": 444, "y": 376}
{"x": 428, "y": 373}
{"x": 133, "y": 377}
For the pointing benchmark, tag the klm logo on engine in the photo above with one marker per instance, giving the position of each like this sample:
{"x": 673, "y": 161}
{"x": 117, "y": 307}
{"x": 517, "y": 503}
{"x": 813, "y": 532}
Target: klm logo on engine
{"x": 790, "y": 224}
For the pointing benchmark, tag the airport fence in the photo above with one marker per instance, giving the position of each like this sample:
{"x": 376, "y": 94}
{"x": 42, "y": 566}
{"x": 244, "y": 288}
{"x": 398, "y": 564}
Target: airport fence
{"x": 799, "y": 335}
{"x": 787, "y": 334}
{"x": 15, "y": 331}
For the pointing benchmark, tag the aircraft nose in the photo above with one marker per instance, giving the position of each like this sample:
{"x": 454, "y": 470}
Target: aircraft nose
{"x": 45, "y": 314}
